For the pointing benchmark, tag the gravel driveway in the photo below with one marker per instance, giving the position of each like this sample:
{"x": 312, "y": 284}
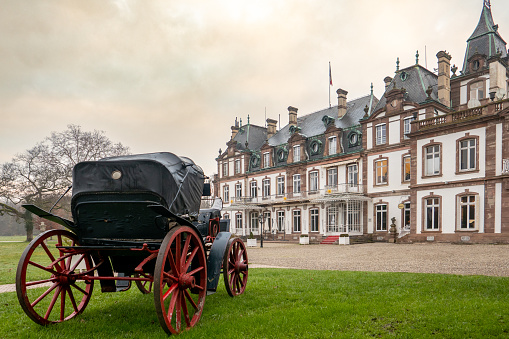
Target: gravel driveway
{"x": 383, "y": 257}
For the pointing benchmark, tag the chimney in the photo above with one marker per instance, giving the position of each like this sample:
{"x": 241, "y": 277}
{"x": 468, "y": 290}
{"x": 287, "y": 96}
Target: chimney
{"x": 341, "y": 102}
{"x": 387, "y": 81}
{"x": 235, "y": 128}
{"x": 292, "y": 114}
{"x": 444, "y": 78}
{"x": 498, "y": 85}
{"x": 271, "y": 128}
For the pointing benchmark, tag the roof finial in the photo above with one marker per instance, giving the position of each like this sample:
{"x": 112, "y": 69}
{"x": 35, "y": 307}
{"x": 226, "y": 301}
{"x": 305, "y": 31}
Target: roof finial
{"x": 371, "y": 88}
{"x": 248, "y": 119}
{"x": 487, "y": 3}
{"x": 417, "y": 57}
{"x": 240, "y": 122}
{"x": 397, "y": 65}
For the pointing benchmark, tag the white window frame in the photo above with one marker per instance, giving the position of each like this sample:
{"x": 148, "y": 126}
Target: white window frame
{"x": 432, "y": 204}
{"x": 467, "y": 206}
{"x": 333, "y": 149}
{"x": 237, "y": 166}
{"x": 470, "y": 152}
{"x": 296, "y": 153}
{"x": 407, "y": 126}
{"x": 353, "y": 175}
{"x": 226, "y": 193}
{"x": 297, "y": 221}
{"x": 313, "y": 181}
{"x": 225, "y": 169}
{"x": 477, "y": 90}
{"x": 432, "y": 160}
{"x": 266, "y": 160}
{"x": 381, "y": 217}
{"x": 266, "y": 187}
{"x": 281, "y": 221}
{"x": 296, "y": 183}
{"x": 280, "y": 185}
{"x": 381, "y": 134}
{"x": 238, "y": 190}
{"x": 380, "y": 179}
{"x": 253, "y": 222}
{"x": 332, "y": 176}
{"x": 254, "y": 189}
{"x": 238, "y": 221}
{"x": 405, "y": 159}
{"x": 314, "y": 218}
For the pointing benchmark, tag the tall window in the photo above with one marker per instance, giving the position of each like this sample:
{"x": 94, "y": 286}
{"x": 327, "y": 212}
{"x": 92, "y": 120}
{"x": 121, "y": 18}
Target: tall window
{"x": 467, "y": 153}
{"x": 225, "y": 169}
{"x": 238, "y": 190}
{"x": 266, "y": 159}
{"x": 313, "y": 181}
{"x": 296, "y": 183}
{"x": 268, "y": 219}
{"x": 313, "y": 219}
{"x": 280, "y": 185}
{"x": 406, "y": 216}
{"x": 353, "y": 175}
{"x": 477, "y": 90}
{"x": 467, "y": 212}
{"x": 237, "y": 166}
{"x": 296, "y": 220}
{"x": 432, "y": 163}
{"x": 226, "y": 194}
{"x": 333, "y": 145}
{"x": 254, "y": 221}
{"x": 380, "y": 134}
{"x": 406, "y": 168}
{"x": 281, "y": 221}
{"x": 381, "y": 172}
{"x": 266, "y": 187}
{"x": 332, "y": 176}
{"x": 381, "y": 217}
{"x": 332, "y": 219}
{"x": 432, "y": 214}
{"x": 296, "y": 153}
{"x": 407, "y": 126}
{"x": 254, "y": 189}
{"x": 238, "y": 221}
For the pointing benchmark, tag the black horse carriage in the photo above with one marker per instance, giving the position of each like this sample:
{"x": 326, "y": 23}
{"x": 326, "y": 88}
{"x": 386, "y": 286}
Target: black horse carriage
{"x": 135, "y": 218}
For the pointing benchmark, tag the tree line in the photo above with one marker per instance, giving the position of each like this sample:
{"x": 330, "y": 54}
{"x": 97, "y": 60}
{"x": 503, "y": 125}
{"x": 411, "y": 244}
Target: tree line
{"x": 41, "y": 174}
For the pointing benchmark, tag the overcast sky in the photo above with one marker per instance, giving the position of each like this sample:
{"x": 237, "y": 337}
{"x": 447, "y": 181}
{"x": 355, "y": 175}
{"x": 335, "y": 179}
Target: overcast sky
{"x": 166, "y": 75}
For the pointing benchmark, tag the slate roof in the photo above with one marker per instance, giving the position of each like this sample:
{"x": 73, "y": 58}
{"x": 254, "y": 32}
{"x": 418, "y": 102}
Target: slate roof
{"x": 312, "y": 124}
{"x": 254, "y": 135}
{"x": 415, "y": 80}
{"x": 485, "y": 39}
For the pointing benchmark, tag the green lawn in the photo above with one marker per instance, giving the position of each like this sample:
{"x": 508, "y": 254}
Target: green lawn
{"x": 297, "y": 303}
{"x": 13, "y": 238}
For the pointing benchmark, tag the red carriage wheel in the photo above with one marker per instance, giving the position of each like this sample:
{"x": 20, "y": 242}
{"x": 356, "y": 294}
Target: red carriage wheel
{"x": 48, "y": 284}
{"x": 180, "y": 280}
{"x": 235, "y": 267}
{"x": 145, "y": 287}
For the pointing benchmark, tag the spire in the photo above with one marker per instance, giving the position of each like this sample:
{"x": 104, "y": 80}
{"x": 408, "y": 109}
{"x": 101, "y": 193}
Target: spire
{"x": 485, "y": 39}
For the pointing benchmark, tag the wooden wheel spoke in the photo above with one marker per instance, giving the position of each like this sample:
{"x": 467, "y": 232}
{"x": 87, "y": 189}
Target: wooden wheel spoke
{"x": 193, "y": 272}
{"x": 170, "y": 292}
{"x": 172, "y": 277}
{"x": 48, "y": 291}
{"x": 62, "y": 304}
{"x": 183, "y": 255}
{"x": 79, "y": 289}
{"x": 77, "y": 262}
{"x": 190, "y": 299}
{"x": 185, "y": 311}
{"x": 52, "y": 303}
{"x": 178, "y": 309}
{"x": 178, "y": 252}
{"x": 190, "y": 259}
{"x": 73, "y": 301}
{"x": 46, "y": 249}
{"x": 46, "y": 268}
{"x": 32, "y": 283}
{"x": 172, "y": 262}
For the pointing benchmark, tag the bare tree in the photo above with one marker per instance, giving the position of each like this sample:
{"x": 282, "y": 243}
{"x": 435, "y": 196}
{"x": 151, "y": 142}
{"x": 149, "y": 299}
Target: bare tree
{"x": 41, "y": 173}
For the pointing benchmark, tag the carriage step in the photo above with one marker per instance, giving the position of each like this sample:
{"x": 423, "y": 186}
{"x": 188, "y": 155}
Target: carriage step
{"x": 330, "y": 240}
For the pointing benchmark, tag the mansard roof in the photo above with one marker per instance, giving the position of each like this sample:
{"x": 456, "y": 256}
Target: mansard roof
{"x": 313, "y": 124}
{"x": 415, "y": 80}
{"x": 485, "y": 39}
{"x": 254, "y": 135}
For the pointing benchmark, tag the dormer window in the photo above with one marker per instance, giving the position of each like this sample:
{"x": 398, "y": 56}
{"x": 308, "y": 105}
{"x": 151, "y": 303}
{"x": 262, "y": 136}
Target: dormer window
{"x": 477, "y": 90}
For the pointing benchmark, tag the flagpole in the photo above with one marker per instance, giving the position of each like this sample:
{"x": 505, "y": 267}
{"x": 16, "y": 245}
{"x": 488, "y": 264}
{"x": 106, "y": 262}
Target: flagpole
{"x": 330, "y": 83}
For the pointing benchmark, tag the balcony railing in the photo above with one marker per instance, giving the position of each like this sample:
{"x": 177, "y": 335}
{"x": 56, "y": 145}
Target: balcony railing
{"x": 298, "y": 196}
{"x": 464, "y": 115}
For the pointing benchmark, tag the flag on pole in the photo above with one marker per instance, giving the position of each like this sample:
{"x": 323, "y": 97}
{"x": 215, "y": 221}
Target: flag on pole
{"x": 330, "y": 76}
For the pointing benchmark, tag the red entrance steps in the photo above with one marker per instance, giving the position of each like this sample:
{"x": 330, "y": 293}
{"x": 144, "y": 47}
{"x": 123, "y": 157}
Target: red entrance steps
{"x": 330, "y": 240}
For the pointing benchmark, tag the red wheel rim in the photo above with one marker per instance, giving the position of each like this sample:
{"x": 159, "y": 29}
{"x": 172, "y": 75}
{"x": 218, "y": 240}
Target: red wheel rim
{"x": 235, "y": 267}
{"x": 180, "y": 280}
{"x": 145, "y": 287}
{"x": 48, "y": 287}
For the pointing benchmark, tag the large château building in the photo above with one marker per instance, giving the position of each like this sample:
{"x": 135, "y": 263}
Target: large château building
{"x": 432, "y": 154}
